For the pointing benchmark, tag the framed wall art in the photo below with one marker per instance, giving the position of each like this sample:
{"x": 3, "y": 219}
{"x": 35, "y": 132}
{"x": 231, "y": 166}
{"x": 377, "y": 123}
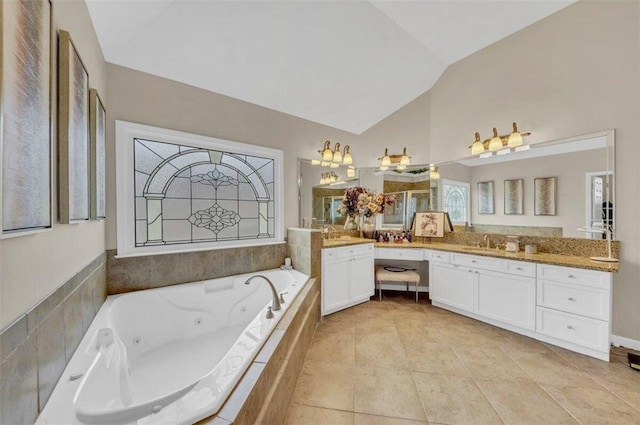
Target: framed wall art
{"x": 544, "y": 196}
{"x": 97, "y": 124}
{"x": 514, "y": 197}
{"x": 429, "y": 224}
{"x": 73, "y": 133}
{"x": 485, "y": 198}
{"x": 25, "y": 136}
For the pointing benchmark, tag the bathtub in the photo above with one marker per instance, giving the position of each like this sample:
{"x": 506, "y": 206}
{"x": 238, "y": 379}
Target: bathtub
{"x": 169, "y": 355}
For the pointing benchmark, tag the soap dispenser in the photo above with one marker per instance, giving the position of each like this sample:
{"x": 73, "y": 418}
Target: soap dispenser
{"x": 513, "y": 244}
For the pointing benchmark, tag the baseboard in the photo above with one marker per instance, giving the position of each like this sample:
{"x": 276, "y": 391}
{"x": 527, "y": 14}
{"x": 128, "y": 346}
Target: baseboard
{"x": 620, "y": 341}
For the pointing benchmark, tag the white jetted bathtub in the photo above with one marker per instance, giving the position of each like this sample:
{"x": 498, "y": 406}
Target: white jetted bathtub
{"x": 168, "y": 355}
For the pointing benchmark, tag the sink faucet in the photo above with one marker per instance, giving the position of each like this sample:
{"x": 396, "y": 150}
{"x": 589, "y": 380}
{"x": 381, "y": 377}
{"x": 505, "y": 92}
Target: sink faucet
{"x": 275, "y": 303}
{"x": 487, "y": 240}
{"x": 332, "y": 232}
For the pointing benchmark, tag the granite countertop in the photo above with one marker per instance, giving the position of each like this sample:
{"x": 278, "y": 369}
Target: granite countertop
{"x": 541, "y": 257}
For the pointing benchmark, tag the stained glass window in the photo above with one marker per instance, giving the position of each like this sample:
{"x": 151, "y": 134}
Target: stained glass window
{"x": 197, "y": 194}
{"x": 456, "y": 200}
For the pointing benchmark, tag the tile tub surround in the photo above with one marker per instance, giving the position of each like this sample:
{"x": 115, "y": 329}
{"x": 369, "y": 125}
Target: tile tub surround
{"x": 35, "y": 349}
{"x": 395, "y": 362}
{"x": 263, "y": 394}
{"x": 154, "y": 271}
{"x": 305, "y": 250}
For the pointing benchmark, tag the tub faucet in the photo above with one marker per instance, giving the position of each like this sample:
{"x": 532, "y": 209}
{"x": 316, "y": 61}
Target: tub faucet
{"x": 275, "y": 303}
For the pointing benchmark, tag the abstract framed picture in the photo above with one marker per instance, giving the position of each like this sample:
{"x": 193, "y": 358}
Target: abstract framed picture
{"x": 73, "y": 133}
{"x": 97, "y": 123}
{"x": 514, "y": 197}
{"x": 544, "y": 196}
{"x": 429, "y": 224}
{"x": 25, "y": 136}
{"x": 485, "y": 198}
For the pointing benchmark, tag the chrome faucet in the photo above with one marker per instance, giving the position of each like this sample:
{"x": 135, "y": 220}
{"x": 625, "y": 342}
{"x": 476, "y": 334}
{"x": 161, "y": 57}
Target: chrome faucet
{"x": 275, "y": 303}
{"x": 332, "y": 232}
{"x": 487, "y": 240}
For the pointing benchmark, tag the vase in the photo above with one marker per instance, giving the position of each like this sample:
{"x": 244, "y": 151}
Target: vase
{"x": 351, "y": 223}
{"x": 368, "y": 227}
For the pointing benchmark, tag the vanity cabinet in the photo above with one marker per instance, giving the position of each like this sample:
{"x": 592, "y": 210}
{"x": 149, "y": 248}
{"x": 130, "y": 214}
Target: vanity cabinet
{"x": 574, "y": 306}
{"x": 347, "y": 277}
{"x": 489, "y": 288}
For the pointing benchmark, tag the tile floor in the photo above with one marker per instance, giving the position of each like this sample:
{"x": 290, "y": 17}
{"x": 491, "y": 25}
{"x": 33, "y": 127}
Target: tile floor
{"x": 399, "y": 363}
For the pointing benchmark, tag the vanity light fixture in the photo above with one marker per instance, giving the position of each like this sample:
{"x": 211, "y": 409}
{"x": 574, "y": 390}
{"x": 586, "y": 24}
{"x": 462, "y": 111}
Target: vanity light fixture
{"x": 328, "y": 177}
{"x": 400, "y": 161}
{"x": 434, "y": 174}
{"x": 499, "y": 144}
{"x": 351, "y": 171}
{"x": 333, "y": 157}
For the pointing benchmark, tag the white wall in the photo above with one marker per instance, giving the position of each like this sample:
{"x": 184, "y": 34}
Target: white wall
{"x": 33, "y": 266}
{"x": 575, "y": 72}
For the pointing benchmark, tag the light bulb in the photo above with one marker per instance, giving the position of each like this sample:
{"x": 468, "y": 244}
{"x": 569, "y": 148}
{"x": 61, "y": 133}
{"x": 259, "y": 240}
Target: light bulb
{"x": 515, "y": 138}
{"x": 495, "y": 143}
{"x": 477, "y": 147}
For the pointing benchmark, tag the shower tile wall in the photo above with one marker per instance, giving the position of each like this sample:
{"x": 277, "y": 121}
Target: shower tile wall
{"x": 154, "y": 271}
{"x": 35, "y": 349}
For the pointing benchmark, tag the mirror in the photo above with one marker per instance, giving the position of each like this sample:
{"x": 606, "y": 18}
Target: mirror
{"x": 553, "y": 189}
{"x": 563, "y": 188}
{"x": 318, "y": 202}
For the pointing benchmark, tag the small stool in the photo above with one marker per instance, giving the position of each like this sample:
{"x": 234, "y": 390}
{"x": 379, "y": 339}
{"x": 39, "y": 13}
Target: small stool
{"x": 404, "y": 276}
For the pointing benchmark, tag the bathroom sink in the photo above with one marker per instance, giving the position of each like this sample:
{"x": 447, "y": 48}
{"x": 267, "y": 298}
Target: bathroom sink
{"x": 477, "y": 249}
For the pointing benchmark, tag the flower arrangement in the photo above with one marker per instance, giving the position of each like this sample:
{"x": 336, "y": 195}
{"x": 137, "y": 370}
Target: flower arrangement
{"x": 358, "y": 201}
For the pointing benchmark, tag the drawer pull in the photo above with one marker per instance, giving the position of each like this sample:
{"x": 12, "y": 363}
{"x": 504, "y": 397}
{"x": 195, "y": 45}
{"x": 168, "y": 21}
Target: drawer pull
{"x": 351, "y": 251}
{"x": 519, "y": 268}
{"x": 571, "y": 276}
{"x": 572, "y": 299}
{"x": 570, "y": 327}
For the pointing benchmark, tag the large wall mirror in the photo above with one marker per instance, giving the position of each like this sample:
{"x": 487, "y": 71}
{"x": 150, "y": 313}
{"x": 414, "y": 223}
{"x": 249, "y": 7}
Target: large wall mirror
{"x": 562, "y": 188}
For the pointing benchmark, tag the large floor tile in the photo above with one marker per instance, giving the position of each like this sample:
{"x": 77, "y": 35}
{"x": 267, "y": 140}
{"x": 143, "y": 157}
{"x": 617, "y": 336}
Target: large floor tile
{"x": 335, "y": 346}
{"x": 362, "y": 419}
{"x": 523, "y": 403}
{"x": 454, "y": 400}
{"x": 298, "y": 414}
{"x": 326, "y": 384}
{"x": 380, "y": 349}
{"x": 425, "y": 356}
{"x": 490, "y": 363}
{"x": 595, "y": 406}
{"x": 550, "y": 369}
{"x": 387, "y": 392}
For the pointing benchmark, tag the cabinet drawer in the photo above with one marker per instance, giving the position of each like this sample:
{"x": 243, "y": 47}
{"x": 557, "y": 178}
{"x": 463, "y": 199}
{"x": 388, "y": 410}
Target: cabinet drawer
{"x": 574, "y": 275}
{"x": 399, "y": 254}
{"x": 520, "y": 268}
{"x": 439, "y": 256}
{"x": 347, "y": 251}
{"x": 486, "y": 263}
{"x": 568, "y": 327}
{"x": 579, "y": 299}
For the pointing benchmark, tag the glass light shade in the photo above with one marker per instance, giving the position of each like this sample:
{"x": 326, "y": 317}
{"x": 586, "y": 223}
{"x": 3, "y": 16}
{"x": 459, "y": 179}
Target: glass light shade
{"x": 351, "y": 172}
{"x": 401, "y": 167}
{"x": 315, "y": 162}
{"x": 477, "y": 147}
{"x": 384, "y": 167}
{"x": 334, "y": 165}
{"x": 324, "y": 163}
{"x": 495, "y": 143}
{"x": 322, "y": 180}
{"x": 404, "y": 160}
{"x": 327, "y": 155}
{"x": 337, "y": 157}
{"x": 515, "y": 140}
{"x": 347, "y": 158}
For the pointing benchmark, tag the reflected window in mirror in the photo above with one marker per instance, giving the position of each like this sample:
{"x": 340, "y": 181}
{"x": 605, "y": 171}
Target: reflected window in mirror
{"x": 456, "y": 200}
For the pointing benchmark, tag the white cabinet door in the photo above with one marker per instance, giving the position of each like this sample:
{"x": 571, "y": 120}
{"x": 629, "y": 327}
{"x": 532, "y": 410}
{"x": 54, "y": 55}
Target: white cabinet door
{"x": 335, "y": 285}
{"x": 451, "y": 285}
{"x": 362, "y": 280}
{"x": 508, "y": 298}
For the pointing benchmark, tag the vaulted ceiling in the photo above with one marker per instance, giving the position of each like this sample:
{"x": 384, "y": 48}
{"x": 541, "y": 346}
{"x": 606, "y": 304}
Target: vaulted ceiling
{"x": 345, "y": 64}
